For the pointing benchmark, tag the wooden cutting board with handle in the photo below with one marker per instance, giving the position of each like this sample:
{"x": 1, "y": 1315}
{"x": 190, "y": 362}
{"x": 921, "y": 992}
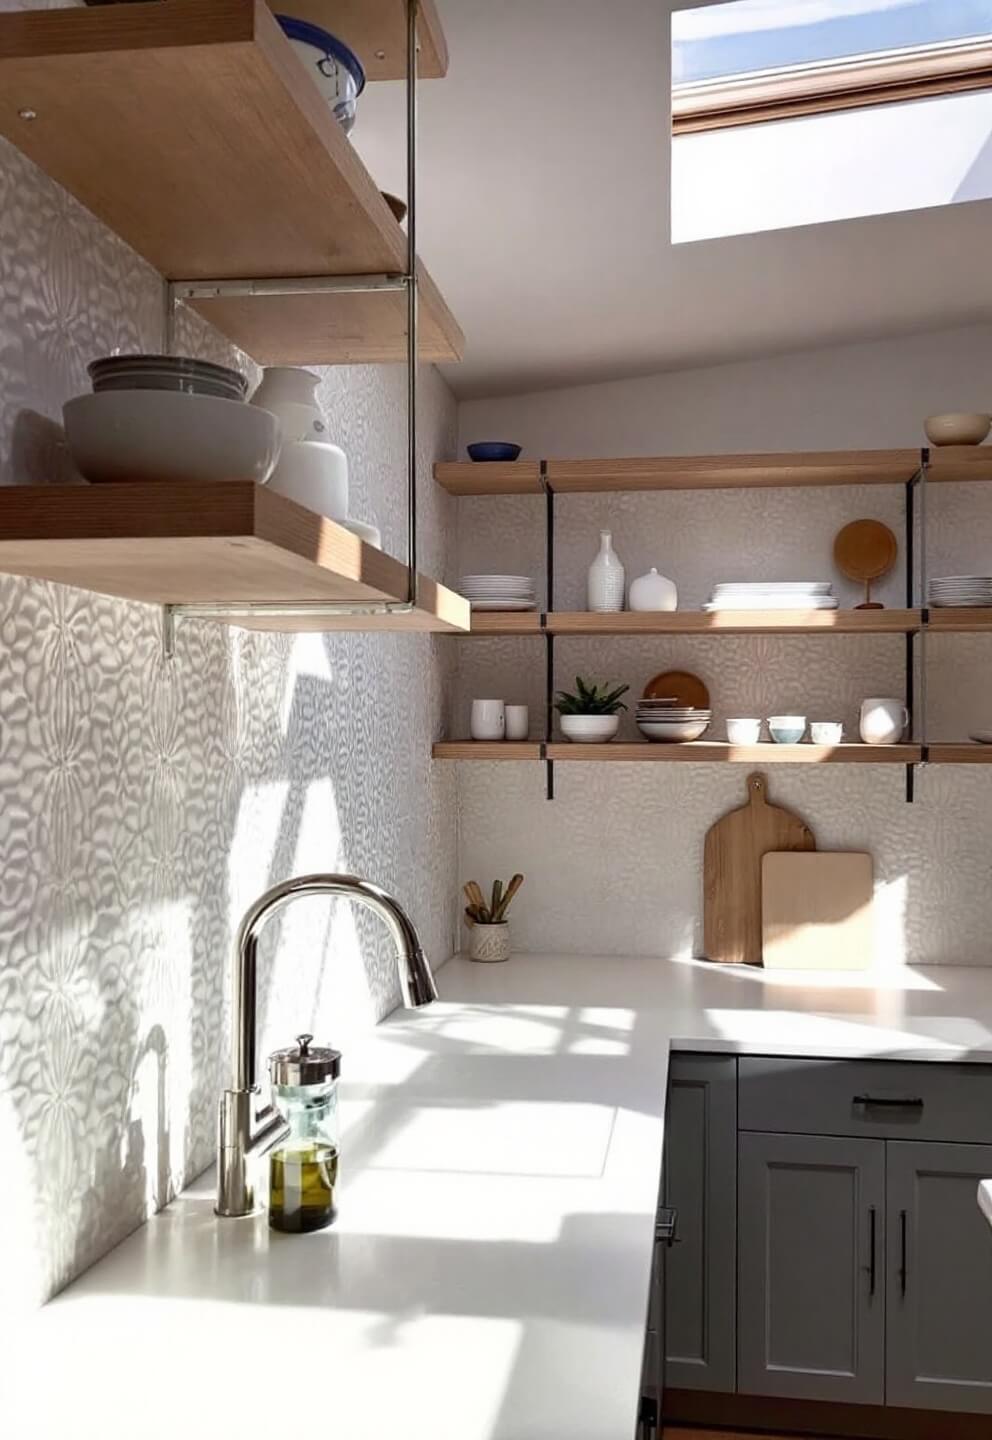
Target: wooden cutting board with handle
{"x": 732, "y": 859}
{"x": 817, "y": 911}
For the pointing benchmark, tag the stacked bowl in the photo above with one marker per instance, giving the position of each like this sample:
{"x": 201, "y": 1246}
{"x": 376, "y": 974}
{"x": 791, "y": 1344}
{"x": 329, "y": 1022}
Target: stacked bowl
{"x": 499, "y": 592}
{"x": 171, "y": 418}
{"x": 667, "y": 721}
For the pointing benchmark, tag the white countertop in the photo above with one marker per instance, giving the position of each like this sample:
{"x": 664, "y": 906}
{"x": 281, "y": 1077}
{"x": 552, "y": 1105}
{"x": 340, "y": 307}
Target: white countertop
{"x": 487, "y": 1278}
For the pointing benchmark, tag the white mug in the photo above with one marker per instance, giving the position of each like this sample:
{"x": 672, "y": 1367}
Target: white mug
{"x": 488, "y": 720}
{"x": 517, "y": 722}
{"x": 883, "y": 722}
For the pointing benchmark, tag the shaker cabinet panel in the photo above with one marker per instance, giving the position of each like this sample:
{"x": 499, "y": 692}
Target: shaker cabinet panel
{"x": 810, "y": 1317}
{"x": 700, "y": 1181}
{"x": 939, "y": 1332}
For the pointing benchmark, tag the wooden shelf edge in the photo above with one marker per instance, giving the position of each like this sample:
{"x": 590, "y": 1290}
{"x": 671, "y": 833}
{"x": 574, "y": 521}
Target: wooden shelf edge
{"x": 966, "y": 752}
{"x": 466, "y": 477}
{"x": 952, "y": 621}
{"x": 714, "y": 751}
{"x": 486, "y": 750}
{"x": 744, "y": 622}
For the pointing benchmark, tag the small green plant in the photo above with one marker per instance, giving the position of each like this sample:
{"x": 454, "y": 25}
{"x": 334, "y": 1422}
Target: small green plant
{"x": 590, "y": 699}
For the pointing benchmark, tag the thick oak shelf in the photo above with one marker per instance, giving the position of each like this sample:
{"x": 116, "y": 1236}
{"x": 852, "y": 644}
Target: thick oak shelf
{"x": 954, "y": 621}
{"x": 628, "y": 752}
{"x": 230, "y": 543}
{"x": 376, "y": 31}
{"x": 718, "y": 472}
{"x": 694, "y": 622}
{"x": 967, "y": 752}
{"x": 191, "y": 129}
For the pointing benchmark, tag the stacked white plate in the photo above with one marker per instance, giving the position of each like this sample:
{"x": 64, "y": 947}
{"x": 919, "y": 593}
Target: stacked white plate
{"x": 666, "y": 721}
{"x": 972, "y": 591}
{"x": 499, "y": 592}
{"x": 772, "y": 595}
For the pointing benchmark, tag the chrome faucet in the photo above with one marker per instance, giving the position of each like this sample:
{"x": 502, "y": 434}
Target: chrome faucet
{"x": 242, "y": 1132}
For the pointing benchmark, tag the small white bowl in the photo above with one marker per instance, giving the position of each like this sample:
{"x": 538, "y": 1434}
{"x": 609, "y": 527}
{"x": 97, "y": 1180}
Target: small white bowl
{"x": 826, "y": 732}
{"x": 671, "y": 731}
{"x": 958, "y": 428}
{"x": 744, "y": 732}
{"x": 122, "y": 435}
{"x": 590, "y": 729}
{"x": 787, "y": 729}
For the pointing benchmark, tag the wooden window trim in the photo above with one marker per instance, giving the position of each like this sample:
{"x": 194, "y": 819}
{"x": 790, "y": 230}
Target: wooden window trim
{"x": 827, "y": 86}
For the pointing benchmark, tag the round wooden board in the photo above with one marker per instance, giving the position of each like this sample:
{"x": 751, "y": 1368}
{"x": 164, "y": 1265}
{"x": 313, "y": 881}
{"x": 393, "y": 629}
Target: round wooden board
{"x": 865, "y": 550}
{"x": 687, "y": 689}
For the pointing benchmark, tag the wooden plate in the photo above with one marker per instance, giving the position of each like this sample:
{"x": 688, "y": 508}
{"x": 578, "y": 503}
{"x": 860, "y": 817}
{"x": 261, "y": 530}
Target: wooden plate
{"x": 687, "y": 689}
{"x": 865, "y": 550}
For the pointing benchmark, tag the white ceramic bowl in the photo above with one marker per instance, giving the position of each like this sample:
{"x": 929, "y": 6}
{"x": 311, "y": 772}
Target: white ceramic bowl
{"x": 826, "y": 732}
{"x": 674, "y": 732}
{"x": 122, "y": 435}
{"x": 958, "y": 429}
{"x": 787, "y": 729}
{"x": 314, "y": 475}
{"x": 744, "y": 732}
{"x": 590, "y": 729}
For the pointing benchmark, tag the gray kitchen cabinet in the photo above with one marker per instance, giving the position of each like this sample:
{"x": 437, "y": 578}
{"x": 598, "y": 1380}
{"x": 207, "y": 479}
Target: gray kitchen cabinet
{"x": 939, "y": 1278}
{"x": 811, "y": 1294}
{"x": 700, "y": 1182}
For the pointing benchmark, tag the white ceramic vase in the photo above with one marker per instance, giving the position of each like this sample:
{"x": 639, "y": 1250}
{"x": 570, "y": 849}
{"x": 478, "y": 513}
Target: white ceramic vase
{"x": 604, "y": 590}
{"x": 489, "y": 943}
{"x": 290, "y": 394}
{"x": 883, "y": 721}
{"x": 653, "y": 592}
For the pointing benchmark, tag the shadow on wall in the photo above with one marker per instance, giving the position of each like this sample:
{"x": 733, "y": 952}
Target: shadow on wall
{"x": 977, "y": 183}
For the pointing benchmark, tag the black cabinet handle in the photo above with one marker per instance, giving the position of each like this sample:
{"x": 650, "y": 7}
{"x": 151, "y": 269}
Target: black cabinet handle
{"x": 666, "y": 1228}
{"x": 902, "y": 1252}
{"x": 889, "y": 1102}
{"x": 871, "y": 1259}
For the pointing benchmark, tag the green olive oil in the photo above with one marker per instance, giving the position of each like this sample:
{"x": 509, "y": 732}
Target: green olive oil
{"x": 301, "y": 1187}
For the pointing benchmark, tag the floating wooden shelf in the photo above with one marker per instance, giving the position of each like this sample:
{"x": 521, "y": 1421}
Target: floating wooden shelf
{"x": 191, "y": 129}
{"x": 231, "y": 543}
{"x": 960, "y": 753}
{"x": 486, "y": 750}
{"x": 717, "y": 472}
{"x": 954, "y": 621}
{"x": 628, "y": 752}
{"x": 376, "y": 31}
{"x": 694, "y": 622}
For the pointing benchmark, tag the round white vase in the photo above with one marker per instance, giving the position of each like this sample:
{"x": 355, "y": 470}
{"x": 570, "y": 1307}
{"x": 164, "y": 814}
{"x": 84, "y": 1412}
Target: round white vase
{"x": 604, "y": 588}
{"x": 489, "y": 943}
{"x": 653, "y": 592}
{"x": 290, "y": 394}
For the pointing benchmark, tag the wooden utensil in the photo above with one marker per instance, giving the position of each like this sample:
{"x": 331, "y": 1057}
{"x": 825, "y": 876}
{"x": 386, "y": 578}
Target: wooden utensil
{"x": 864, "y": 551}
{"x": 732, "y": 858}
{"x": 511, "y": 890}
{"x": 816, "y": 911}
{"x": 686, "y": 689}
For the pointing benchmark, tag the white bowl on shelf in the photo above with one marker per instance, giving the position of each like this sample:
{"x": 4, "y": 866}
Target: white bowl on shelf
{"x": 674, "y": 732}
{"x": 143, "y": 435}
{"x": 590, "y": 729}
{"x": 958, "y": 428}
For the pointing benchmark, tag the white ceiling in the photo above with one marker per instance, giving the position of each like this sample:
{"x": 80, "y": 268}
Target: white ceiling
{"x": 544, "y": 202}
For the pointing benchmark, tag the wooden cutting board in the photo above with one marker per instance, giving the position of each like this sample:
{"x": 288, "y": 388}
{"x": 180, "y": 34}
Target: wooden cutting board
{"x": 816, "y": 911}
{"x": 732, "y": 859}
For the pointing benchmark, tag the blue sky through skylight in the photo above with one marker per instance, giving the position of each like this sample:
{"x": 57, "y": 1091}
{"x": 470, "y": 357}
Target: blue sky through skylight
{"x": 729, "y": 39}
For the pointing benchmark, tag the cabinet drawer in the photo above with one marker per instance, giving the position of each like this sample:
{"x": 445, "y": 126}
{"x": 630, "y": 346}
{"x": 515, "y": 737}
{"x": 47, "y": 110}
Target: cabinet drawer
{"x": 892, "y": 1099}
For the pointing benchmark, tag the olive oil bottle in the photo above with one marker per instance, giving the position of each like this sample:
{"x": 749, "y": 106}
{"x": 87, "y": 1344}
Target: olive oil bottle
{"x": 303, "y": 1169}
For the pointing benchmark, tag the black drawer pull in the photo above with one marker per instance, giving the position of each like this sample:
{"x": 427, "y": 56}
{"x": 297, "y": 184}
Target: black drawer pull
{"x": 871, "y": 1263}
{"x": 666, "y": 1227}
{"x": 890, "y": 1102}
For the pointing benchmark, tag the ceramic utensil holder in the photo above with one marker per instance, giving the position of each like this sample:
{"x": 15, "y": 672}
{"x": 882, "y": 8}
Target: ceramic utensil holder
{"x": 489, "y": 943}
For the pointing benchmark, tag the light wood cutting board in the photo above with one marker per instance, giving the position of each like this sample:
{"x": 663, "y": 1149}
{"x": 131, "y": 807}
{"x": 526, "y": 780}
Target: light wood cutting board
{"x": 732, "y": 859}
{"x": 816, "y": 911}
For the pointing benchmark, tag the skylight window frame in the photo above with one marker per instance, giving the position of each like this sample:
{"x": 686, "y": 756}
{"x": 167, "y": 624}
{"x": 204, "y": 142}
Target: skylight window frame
{"x": 824, "y": 87}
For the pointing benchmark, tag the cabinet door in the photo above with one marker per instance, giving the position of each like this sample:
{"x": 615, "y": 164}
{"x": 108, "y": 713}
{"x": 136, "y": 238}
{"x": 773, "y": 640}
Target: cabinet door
{"x": 810, "y": 1314}
{"x": 700, "y": 1181}
{"x": 939, "y": 1340}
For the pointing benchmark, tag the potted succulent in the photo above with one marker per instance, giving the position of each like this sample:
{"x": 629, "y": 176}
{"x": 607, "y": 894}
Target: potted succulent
{"x": 591, "y": 715}
{"x": 490, "y": 931}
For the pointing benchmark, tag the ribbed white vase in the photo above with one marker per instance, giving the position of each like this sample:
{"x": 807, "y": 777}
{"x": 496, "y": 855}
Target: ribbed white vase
{"x": 604, "y": 590}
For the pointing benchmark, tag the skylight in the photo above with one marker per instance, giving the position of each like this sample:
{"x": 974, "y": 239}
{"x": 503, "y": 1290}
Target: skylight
{"x": 748, "y": 35}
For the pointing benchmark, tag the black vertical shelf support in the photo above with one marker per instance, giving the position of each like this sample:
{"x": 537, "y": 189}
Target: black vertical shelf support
{"x": 910, "y": 513}
{"x": 549, "y": 639}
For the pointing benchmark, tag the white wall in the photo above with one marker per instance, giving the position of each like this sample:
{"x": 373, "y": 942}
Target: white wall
{"x": 613, "y": 864}
{"x": 842, "y": 166}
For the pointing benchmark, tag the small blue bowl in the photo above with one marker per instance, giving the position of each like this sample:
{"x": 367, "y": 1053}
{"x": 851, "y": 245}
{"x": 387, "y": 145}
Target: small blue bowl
{"x": 493, "y": 450}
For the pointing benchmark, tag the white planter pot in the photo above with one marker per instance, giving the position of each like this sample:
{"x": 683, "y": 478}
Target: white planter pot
{"x": 489, "y": 943}
{"x": 590, "y": 729}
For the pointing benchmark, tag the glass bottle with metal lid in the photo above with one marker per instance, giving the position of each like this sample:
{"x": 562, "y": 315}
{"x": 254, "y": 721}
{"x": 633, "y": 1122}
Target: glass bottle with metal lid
{"x": 303, "y": 1169}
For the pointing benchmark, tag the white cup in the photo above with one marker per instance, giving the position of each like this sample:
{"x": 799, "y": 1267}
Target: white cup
{"x": 517, "y": 722}
{"x": 488, "y": 720}
{"x": 743, "y": 732}
{"x": 826, "y": 732}
{"x": 883, "y": 722}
